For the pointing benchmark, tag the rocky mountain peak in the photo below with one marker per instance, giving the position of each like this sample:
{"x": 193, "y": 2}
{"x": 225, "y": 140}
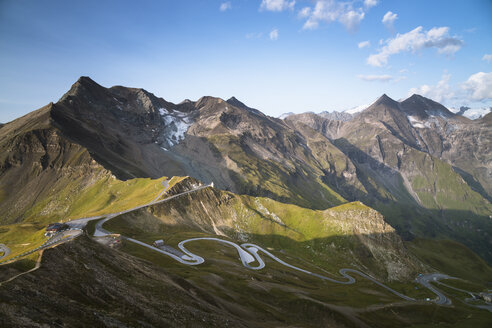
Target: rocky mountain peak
{"x": 209, "y": 102}
{"x": 382, "y": 107}
{"x": 84, "y": 87}
{"x": 423, "y": 107}
{"x": 386, "y": 101}
{"x": 235, "y": 102}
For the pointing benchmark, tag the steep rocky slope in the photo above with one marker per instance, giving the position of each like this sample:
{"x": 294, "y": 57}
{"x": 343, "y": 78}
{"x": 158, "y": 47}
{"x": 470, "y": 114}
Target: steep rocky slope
{"x": 426, "y": 169}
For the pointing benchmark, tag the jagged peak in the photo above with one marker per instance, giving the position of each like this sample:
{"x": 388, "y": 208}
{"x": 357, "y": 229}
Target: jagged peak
{"x": 416, "y": 96}
{"x": 86, "y": 80}
{"x": 236, "y": 102}
{"x": 385, "y": 99}
{"x": 421, "y": 106}
{"x": 207, "y": 101}
{"x": 82, "y": 86}
{"x": 382, "y": 102}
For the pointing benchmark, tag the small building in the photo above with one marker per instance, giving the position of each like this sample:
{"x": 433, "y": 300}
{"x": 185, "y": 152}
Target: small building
{"x": 487, "y": 297}
{"x": 54, "y": 228}
{"x": 158, "y": 243}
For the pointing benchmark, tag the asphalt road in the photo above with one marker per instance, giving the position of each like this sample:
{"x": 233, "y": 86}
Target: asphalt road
{"x": 100, "y": 231}
{"x": 425, "y": 281}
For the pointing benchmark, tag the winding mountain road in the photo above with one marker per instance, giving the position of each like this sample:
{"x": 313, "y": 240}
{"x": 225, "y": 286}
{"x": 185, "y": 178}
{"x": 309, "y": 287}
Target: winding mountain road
{"x": 248, "y": 253}
{"x": 425, "y": 281}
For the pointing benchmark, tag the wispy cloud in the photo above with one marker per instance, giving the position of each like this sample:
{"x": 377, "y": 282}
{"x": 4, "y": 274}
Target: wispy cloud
{"x": 277, "y": 5}
{"x": 389, "y": 19}
{"x": 329, "y": 11}
{"x": 304, "y": 12}
{"x": 370, "y": 3}
{"x": 487, "y": 57}
{"x": 274, "y": 34}
{"x": 225, "y": 6}
{"x": 417, "y": 39}
{"x": 377, "y": 78}
{"x": 364, "y": 44}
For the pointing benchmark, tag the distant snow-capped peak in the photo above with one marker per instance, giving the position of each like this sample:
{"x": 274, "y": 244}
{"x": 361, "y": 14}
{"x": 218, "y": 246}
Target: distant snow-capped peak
{"x": 356, "y": 109}
{"x": 284, "y": 115}
{"x": 472, "y": 113}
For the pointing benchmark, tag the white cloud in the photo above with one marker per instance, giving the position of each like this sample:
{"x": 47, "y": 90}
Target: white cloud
{"x": 475, "y": 91}
{"x": 352, "y": 19}
{"x": 372, "y": 78}
{"x": 370, "y": 3}
{"x": 487, "y": 57}
{"x": 417, "y": 39}
{"x": 389, "y": 18}
{"x": 479, "y": 86}
{"x": 274, "y": 34}
{"x": 439, "y": 92}
{"x": 304, "y": 12}
{"x": 329, "y": 11}
{"x": 225, "y": 6}
{"x": 364, "y": 44}
{"x": 277, "y": 5}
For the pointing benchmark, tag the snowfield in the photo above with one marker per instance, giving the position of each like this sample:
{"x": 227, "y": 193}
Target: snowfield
{"x": 176, "y": 124}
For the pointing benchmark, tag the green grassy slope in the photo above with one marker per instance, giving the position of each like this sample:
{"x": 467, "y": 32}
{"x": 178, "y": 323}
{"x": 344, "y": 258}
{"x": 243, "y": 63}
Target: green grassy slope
{"x": 349, "y": 234}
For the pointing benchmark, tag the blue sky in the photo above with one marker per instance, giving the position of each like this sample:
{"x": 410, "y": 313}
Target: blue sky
{"x": 275, "y": 55}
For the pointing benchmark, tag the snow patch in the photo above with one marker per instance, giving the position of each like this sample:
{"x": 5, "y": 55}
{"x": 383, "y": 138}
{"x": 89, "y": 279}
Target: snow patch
{"x": 283, "y": 116}
{"x": 176, "y": 124}
{"x": 357, "y": 109}
{"x": 415, "y": 122}
{"x": 476, "y": 113}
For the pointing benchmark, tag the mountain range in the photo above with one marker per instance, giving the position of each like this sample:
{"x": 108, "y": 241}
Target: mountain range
{"x": 385, "y": 185}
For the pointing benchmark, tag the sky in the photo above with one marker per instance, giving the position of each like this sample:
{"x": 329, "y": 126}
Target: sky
{"x": 274, "y": 55}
